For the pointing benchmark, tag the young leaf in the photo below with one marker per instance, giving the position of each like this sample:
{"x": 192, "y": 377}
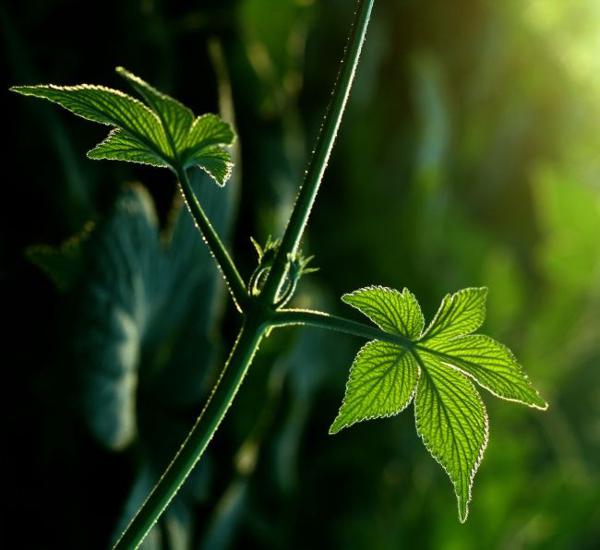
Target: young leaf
{"x": 204, "y": 147}
{"x": 176, "y": 118}
{"x": 450, "y": 416}
{"x": 162, "y": 133}
{"x": 107, "y": 106}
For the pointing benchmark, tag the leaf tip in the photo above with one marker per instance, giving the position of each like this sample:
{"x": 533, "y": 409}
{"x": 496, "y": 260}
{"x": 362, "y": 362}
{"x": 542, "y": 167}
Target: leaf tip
{"x": 127, "y": 75}
{"x": 540, "y": 404}
{"x": 463, "y": 508}
{"x": 338, "y": 425}
{"x": 21, "y": 89}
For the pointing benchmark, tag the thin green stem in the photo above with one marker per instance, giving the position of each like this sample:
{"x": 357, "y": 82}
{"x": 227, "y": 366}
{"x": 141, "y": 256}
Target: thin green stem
{"x": 318, "y": 162}
{"x": 290, "y": 317}
{"x": 193, "y": 447}
{"x": 258, "y": 316}
{"x": 232, "y": 277}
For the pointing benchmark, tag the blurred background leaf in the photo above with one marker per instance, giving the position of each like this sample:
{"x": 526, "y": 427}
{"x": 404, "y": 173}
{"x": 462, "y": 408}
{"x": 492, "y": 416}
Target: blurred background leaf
{"x": 471, "y": 144}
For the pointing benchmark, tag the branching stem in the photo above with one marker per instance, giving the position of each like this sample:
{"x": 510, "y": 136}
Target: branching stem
{"x": 258, "y": 312}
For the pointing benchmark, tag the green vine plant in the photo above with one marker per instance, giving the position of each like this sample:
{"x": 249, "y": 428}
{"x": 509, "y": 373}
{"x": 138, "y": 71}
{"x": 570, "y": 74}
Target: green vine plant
{"x": 437, "y": 367}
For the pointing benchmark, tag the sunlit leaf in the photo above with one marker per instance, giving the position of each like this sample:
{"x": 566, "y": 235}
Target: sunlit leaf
{"x": 460, "y": 313}
{"x": 452, "y": 421}
{"x": 383, "y": 379}
{"x": 492, "y": 365}
{"x": 176, "y": 117}
{"x": 391, "y": 310}
{"x": 162, "y": 133}
{"x": 122, "y": 146}
{"x": 106, "y": 106}
{"x": 204, "y": 147}
{"x": 436, "y": 367}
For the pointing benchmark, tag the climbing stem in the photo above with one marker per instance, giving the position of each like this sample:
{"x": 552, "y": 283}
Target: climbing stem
{"x": 194, "y": 445}
{"x": 258, "y": 315}
{"x": 232, "y": 277}
{"x": 318, "y": 162}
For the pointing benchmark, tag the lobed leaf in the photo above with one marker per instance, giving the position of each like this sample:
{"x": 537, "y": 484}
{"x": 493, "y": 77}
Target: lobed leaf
{"x": 492, "y": 365}
{"x": 439, "y": 364}
{"x": 452, "y": 421}
{"x": 391, "y": 310}
{"x": 382, "y": 383}
{"x": 215, "y": 161}
{"x": 121, "y": 146}
{"x": 162, "y": 133}
{"x": 177, "y": 119}
{"x": 106, "y": 106}
{"x": 460, "y": 313}
{"x": 204, "y": 147}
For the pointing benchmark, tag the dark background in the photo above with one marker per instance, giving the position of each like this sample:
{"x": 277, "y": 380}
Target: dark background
{"x": 470, "y": 155}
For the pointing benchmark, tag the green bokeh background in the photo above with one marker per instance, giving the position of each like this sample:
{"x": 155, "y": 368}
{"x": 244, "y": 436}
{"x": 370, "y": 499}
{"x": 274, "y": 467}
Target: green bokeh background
{"x": 470, "y": 155}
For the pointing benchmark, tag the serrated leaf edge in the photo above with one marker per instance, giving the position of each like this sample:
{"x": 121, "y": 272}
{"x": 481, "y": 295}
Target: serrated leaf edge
{"x": 452, "y": 296}
{"x": 133, "y": 78}
{"x": 373, "y": 416}
{"x": 479, "y": 456}
{"x": 20, "y": 90}
{"x": 402, "y": 292}
{"x": 484, "y": 386}
{"x": 111, "y": 134}
{"x": 221, "y": 182}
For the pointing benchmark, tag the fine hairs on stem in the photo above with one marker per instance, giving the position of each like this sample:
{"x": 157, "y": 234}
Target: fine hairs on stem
{"x": 259, "y": 311}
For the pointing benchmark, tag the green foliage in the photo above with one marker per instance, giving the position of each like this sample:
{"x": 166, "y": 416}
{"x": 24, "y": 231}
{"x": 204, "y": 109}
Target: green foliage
{"x": 162, "y": 132}
{"x": 436, "y": 366}
{"x": 65, "y": 264}
{"x": 134, "y": 287}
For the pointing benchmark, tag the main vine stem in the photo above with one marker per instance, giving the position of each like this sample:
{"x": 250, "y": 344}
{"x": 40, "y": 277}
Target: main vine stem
{"x": 320, "y": 158}
{"x": 257, "y": 317}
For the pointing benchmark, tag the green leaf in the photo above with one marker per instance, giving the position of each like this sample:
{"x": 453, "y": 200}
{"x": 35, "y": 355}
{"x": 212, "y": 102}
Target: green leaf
{"x": 452, "y": 421}
{"x": 121, "y": 146}
{"x": 391, "y": 310}
{"x": 382, "y": 383}
{"x": 460, "y": 313}
{"x": 125, "y": 284}
{"x": 440, "y": 363}
{"x": 177, "y": 119}
{"x": 204, "y": 147}
{"x": 492, "y": 365}
{"x": 107, "y": 106}
{"x": 163, "y": 133}
{"x": 215, "y": 161}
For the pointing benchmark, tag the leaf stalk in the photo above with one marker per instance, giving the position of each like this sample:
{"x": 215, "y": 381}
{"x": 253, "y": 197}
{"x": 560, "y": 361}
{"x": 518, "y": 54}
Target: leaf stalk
{"x": 233, "y": 279}
{"x": 305, "y": 317}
